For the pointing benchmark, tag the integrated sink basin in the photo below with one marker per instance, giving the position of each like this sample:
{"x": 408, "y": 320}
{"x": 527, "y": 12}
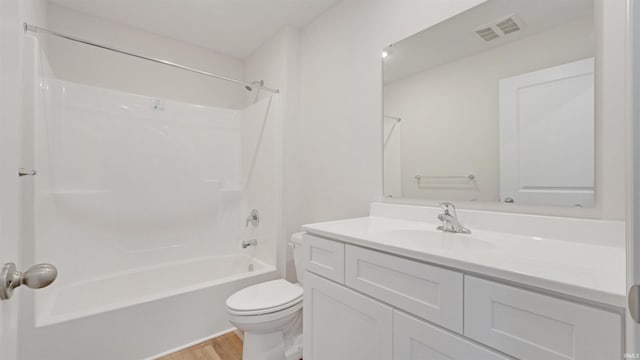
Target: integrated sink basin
{"x": 437, "y": 240}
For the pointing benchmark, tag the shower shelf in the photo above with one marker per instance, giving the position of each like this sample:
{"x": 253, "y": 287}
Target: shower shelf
{"x": 81, "y": 192}
{"x": 229, "y": 189}
{"x": 226, "y": 187}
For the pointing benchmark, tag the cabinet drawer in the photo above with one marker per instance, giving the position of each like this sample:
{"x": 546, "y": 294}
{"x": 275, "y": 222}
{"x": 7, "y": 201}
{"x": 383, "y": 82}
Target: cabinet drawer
{"x": 533, "y": 326}
{"x": 414, "y": 339}
{"x": 429, "y": 292}
{"x": 324, "y": 257}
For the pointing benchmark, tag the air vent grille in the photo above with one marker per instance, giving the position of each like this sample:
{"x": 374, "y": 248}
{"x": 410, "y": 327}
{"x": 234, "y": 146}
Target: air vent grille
{"x": 508, "y": 26}
{"x": 501, "y": 27}
{"x": 487, "y": 34}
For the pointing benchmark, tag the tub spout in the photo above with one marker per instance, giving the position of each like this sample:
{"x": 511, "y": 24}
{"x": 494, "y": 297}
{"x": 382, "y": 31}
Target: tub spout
{"x": 247, "y": 243}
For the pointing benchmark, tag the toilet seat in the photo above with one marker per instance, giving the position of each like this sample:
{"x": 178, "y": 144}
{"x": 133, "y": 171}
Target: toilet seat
{"x": 265, "y": 298}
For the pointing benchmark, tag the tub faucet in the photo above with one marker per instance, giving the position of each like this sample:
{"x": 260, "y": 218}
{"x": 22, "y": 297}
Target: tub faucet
{"x": 253, "y": 218}
{"x": 449, "y": 218}
{"x": 247, "y": 243}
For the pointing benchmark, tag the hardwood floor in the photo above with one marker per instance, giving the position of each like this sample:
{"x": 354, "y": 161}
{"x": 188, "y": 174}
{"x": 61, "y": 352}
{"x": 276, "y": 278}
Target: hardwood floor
{"x": 225, "y": 347}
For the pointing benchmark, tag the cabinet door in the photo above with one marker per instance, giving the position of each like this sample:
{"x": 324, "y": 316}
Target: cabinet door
{"x": 414, "y": 339}
{"x": 340, "y": 324}
{"x": 533, "y": 326}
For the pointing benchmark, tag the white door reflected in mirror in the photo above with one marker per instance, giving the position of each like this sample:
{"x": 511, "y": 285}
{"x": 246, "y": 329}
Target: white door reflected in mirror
{"x": 547, "y": 136}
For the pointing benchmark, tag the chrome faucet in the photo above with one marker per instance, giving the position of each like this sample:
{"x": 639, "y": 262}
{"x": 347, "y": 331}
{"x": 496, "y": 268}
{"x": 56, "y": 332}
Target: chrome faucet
{"x": 449, "y": 218}
{"x": 247, "y": 243}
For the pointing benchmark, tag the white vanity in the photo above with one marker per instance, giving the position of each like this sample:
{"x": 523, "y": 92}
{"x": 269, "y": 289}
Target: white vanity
{"x": 391, "y": 286}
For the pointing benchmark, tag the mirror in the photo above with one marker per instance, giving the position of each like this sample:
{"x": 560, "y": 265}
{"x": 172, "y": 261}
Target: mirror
{"x": 495, "y": 104}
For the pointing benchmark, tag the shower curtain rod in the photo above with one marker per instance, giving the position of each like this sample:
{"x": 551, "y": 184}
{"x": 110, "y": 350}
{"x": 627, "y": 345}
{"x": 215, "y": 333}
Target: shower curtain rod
{"x": 40, "y": 30}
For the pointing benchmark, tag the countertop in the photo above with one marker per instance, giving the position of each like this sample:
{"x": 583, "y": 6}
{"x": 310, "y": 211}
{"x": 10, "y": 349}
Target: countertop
{"x": 579, "y": 269}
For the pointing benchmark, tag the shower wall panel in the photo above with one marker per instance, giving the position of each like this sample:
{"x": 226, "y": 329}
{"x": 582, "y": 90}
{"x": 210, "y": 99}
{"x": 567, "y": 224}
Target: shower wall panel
{"x": 127, "y": 181}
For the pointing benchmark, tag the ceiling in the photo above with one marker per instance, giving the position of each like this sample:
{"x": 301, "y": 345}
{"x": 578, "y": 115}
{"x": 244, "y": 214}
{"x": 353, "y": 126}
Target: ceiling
{"x": 232, "y": 27}
{"x": 455, "y": 38}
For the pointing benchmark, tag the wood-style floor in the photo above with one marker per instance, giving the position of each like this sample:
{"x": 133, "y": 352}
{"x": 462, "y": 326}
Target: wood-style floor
{"x": 225, "y": 347}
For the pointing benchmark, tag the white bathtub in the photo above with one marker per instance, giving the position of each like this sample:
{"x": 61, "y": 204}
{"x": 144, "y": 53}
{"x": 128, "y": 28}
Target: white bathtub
{"x": 139, "y": 314}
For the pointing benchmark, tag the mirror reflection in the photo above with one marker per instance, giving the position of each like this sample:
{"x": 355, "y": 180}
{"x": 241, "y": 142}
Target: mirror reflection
{"x": 495, "y": 104}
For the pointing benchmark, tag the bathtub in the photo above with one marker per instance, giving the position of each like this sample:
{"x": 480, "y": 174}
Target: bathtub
{"x": 138, "y": 314}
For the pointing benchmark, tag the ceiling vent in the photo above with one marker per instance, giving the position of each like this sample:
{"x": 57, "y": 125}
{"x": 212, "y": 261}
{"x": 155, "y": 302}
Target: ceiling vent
{"x": 501, "y": 27}
{"x": 487, "y": 33}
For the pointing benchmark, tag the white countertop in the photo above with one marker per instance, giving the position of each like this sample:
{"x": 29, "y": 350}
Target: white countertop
{"x": 594, "y": 272}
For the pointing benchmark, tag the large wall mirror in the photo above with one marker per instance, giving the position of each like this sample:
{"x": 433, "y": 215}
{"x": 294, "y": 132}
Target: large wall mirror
{"x": 495, "y": 104}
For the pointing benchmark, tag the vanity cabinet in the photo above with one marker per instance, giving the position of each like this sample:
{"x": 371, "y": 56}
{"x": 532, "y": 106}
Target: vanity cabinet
{"x": 380, "y": 306}
{"x": 415, "y": 339}
{"x": 536, "y": 326}
{"x": 339, "y": 323}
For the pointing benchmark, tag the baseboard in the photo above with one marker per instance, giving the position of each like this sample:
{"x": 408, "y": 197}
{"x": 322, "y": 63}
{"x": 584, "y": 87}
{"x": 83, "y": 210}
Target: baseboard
{"x": 182, "y": 347}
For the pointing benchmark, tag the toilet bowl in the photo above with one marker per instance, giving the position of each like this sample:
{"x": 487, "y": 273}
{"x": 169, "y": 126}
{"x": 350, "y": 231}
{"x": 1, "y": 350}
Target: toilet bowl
{"x": 270, "y": 315}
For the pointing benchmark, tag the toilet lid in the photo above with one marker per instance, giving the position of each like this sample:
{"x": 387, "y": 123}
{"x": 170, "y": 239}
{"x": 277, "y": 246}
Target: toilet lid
{"x": 265, "y": 297}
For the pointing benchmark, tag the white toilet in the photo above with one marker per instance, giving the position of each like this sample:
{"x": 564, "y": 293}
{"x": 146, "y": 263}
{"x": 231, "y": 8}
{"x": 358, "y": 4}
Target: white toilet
{"x": 270, "y": 315}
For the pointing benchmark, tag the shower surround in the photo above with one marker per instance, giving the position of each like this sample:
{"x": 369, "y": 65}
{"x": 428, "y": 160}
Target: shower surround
{"x": 140, "y": 203}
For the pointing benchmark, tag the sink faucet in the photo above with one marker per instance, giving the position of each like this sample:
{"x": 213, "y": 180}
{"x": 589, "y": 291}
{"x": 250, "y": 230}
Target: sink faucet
{"x": 247, "y": 243}
{"x": 449, "y": 218}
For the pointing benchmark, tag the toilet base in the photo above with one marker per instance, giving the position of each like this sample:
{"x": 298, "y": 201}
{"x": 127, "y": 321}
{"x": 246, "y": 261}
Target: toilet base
{"x": 282, "y": 344}
{"x": 294, "y": 352}
{"x": 270, "y": 347}
{"x": 263, "y": 346}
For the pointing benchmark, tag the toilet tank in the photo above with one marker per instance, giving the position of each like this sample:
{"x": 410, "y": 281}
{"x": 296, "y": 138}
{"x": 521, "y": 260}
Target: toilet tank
{"x": 296, "y": 245}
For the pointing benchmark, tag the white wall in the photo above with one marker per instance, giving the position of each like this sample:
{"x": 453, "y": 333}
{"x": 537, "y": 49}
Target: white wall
{"x": 275, "y": 194}
{"x": 88, "y": 65}
{"x": 34, "y": 11}
{"x": 341, "y": 102}
{"x": 453, "y": 109}
{"x": 341, "y": 99}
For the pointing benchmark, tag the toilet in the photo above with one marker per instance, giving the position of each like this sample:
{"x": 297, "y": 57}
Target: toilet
{"x": 270, "y": 315}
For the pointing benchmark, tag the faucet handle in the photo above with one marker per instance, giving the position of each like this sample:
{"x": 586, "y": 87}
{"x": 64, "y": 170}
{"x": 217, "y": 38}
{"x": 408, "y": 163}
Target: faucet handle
{"x": 253, "y": 218}
{"x": 448, "y": 208}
